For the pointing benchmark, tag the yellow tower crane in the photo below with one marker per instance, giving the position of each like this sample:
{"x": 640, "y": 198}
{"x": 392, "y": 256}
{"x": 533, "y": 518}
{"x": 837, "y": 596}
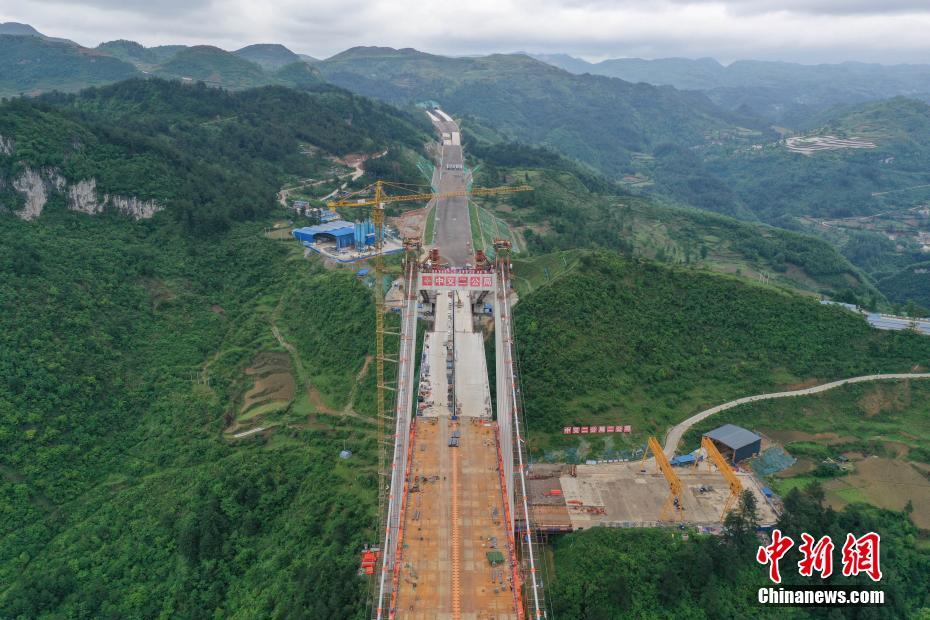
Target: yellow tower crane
{"x": 674, "y": 501}
{"x": 374, "y": 196}
{"x": 713, "y": 454}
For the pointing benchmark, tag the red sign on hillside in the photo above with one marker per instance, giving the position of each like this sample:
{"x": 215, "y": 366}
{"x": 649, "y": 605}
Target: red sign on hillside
{"x": 587, "y": 430}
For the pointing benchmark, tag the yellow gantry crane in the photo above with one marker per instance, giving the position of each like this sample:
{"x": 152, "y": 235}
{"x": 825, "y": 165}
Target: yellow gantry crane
{"x": 374, "y": 196}
{"x": 674, "y": 501}
{"x": 713, "y": 454}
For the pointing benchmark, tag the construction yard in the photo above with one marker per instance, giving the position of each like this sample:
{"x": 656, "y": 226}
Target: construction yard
{"x": 574, "y": 497}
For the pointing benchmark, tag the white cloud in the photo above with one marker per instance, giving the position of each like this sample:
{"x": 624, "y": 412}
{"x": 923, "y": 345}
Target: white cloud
{"x": 799, "y": 30}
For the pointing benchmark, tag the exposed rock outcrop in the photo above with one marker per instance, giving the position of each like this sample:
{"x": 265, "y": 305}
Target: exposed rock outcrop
{"x": 32, "y": 186}
{"x": 81, "y": 196}
{"x": 6, "y": 146}
{"x": 139, "y": 209}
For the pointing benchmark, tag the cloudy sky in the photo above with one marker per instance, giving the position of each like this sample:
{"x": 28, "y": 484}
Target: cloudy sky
{"x": 799, "y": 30}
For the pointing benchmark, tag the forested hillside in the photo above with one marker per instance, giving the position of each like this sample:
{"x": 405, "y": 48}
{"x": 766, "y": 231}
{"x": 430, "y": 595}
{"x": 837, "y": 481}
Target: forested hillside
{"x": 648, "y": 345}
{"x": 30, "y": 64}
{"x": 121, "y": 498}
{"x": 598, "y": 120}
{"x": 573, "y": 208}
{"x": 641, "y": 573}
{"x": 133, "y": 348}
{"x": 207, "y": 155}
{"x": 783, "y": 92}
{"x": 779, "y": 185}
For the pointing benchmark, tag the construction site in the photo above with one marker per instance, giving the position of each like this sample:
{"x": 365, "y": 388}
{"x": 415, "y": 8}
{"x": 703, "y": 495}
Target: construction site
{"x": 463, "y": 513}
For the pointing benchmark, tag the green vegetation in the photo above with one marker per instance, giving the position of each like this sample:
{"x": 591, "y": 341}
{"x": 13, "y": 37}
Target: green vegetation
{"x": 571, "y": 208}
{"x": 655, "y": 573}
{"x": 911, "y": 284}
{"x": 778, "y": 185}
{"x": 772, "y": 90}
{"x": 30, "y": 64}
{"x": 112, "y": 407}
{"x": 144, "y": 58}
{"x": 211, "y": 156}
{"x": 142, "y": 352}
{"x": 268, "y": 56}
{"x": 214, "y": 66}
{"x": 618, "y": 340}
{"x": 863, "y": 417}
{"x": 597, "y": 120}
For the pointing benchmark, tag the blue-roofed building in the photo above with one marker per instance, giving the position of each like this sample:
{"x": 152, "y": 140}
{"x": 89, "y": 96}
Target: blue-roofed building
{"x": 344, "y": 234}
{"x": 735, "y": 442}
{"x": 338, "y": 231}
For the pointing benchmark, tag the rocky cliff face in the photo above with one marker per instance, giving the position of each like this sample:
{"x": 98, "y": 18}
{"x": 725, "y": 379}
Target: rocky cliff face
{"x": 35, "y": 186}
{"x": 6, "y": 146}
{"x": 31, "y": 185}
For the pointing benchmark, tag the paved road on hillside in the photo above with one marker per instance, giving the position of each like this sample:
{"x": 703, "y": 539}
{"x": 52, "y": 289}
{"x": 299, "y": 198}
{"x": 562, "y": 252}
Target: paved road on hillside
{"x": 452, "y": 231}
{"x": 673, "y": 438}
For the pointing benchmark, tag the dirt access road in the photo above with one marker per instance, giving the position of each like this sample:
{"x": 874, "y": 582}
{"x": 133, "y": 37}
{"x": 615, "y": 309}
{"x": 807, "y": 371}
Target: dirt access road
{"x": 673, "y": 438}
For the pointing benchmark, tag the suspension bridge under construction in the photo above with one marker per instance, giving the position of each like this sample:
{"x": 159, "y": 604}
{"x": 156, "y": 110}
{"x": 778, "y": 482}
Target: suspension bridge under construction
{"x": 457, "y": 536}
{"x": 461, "y": 514}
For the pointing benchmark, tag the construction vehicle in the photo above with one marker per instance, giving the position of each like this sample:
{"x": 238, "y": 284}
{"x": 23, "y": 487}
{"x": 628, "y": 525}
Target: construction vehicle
{"x": 713, "y": 454}
{"x": 370, "y": 557}
{"x": 674, "y": 501}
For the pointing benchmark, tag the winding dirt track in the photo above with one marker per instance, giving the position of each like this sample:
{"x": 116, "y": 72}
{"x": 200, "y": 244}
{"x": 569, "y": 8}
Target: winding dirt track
{"x": 673, "y": 438}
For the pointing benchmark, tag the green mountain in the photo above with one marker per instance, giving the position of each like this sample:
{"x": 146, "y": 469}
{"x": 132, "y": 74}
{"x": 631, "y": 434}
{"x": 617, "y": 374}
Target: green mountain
{"x": 144, "y": 58}
{"x": 187, "y": 148}
{"x": 661, "y": 343}
{"x": 778, "y": 181}
{"x": 147, "y": 343}
{"x": 203, "y": 63}
{"x": 597, "y": 120}
{"x": 571, "y": 208}
{"x": 268, "y": 56}
{"x": 25, "y": 30}
{"x": 780, "y": 91}
{"x": 32, "y": 65}
{"x": 299, "y": 75}
{"x": 911, "y": 284}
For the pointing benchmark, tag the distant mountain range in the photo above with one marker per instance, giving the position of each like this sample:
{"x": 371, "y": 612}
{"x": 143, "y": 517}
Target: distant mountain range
{"x": 774, "y": 90}
{"x": 25, "y": 30}
{"x": 602, "y": 122}
{"x": 693, "y": 132}
{"x": 34, "y": 63}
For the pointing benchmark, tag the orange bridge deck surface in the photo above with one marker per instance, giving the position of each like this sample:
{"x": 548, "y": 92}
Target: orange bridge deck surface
{"x": 454, "y": 517}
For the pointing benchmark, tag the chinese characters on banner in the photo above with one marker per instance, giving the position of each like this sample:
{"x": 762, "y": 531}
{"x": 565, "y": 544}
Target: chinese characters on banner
{"x": 586, "y": 430}
{"x": 859, "y": 555}
{"x": 457, "y": 280}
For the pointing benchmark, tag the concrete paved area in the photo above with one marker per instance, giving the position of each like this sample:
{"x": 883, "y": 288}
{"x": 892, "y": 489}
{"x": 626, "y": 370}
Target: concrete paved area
{"x": 620, "y": 494}
{"x": 452, "y": 221}
{"x": 453, "y": 520}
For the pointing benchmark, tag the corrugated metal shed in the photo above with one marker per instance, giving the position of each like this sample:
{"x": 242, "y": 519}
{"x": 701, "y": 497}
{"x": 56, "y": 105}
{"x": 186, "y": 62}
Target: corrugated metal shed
{"x": 741, "y": 442}
{"x": 342, "y": 231}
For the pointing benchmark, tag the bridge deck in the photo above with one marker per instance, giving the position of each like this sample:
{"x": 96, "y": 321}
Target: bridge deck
{"x": 457, "y": 503}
